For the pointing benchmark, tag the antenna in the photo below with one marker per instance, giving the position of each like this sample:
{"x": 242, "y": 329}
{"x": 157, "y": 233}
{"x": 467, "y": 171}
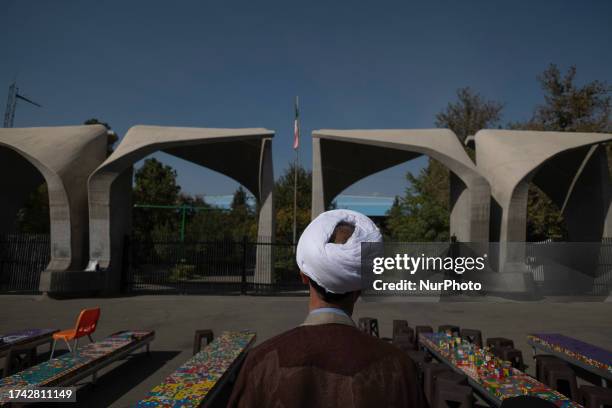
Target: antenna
{"x": 11, "y": 104}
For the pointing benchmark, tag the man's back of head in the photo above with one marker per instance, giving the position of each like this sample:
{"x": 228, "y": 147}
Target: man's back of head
{"x": 327, "y": 361}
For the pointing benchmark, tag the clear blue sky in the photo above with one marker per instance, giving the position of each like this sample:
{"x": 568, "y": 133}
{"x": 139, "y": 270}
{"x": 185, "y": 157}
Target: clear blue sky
{"x": 239, "y": 64}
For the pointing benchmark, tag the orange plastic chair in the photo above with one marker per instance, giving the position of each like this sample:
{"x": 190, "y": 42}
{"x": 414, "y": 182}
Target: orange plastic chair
{"x": 85, "y": 326}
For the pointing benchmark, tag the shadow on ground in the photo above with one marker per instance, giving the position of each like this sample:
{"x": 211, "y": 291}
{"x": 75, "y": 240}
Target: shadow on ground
{"x": 117, "y": 380}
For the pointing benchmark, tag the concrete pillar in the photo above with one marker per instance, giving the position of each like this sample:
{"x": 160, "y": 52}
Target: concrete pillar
{"x": 64, "y": 156}
{"x": 469, "y": 209}
{"x": 110, "y": 217}
{"x": 318, "y": 197}
{"x": 459, "y": 208}
{"x": 513, "y": 234}
{"x": 587, "y": 208}
{"x": 266, "y": 228}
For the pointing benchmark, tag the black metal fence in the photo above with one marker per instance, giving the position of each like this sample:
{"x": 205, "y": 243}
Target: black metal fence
{"x": 550, "y": 262}
{"x": 223, "y": 267}
{"x": 228, "y": 267}
{"x": 22, "y": 258}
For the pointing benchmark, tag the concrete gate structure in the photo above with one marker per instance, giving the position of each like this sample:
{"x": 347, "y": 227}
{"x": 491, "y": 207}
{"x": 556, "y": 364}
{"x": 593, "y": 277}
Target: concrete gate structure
{"x": 90, "y": 195}
{"x": 63, "y": 157}
{"x": 342, "y": 157}
{"x": 242, "y": 154}
{"x": 572, "y": 169}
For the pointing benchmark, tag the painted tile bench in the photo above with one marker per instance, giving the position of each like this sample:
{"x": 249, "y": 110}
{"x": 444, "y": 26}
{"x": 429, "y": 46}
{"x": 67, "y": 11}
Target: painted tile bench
{"x": 87, "y": 360}
{"x": 197, "y": 382}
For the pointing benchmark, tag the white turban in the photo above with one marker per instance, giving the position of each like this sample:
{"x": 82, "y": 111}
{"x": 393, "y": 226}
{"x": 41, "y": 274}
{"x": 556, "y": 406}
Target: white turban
{"x": 335, "y": 267}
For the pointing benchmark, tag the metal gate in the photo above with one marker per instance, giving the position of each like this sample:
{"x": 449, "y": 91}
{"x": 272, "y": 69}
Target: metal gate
{"x": 22, "y": 259}
{"x": 213, "y": 267}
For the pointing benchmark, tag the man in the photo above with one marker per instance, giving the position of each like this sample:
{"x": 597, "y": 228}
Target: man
{"x": 327, "y": 361}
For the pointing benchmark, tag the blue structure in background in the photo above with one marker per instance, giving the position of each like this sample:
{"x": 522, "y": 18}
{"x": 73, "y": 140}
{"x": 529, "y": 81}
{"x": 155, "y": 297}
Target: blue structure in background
{"x": 372, "y": 206}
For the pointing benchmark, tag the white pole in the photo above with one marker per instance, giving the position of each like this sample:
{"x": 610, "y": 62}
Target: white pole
{"x": 295, "y": 175}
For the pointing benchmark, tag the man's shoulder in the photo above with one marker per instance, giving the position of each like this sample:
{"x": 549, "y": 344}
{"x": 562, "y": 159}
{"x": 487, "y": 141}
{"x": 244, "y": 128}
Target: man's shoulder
{"x": 327, "y": 342}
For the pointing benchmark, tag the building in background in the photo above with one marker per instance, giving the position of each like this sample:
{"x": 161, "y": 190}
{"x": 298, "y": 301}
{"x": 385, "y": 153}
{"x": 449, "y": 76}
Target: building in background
{"x": 375, "y": 207}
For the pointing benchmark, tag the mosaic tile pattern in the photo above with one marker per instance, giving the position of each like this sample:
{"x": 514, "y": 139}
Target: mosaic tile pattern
{"x": 496, "y": 377}
{"x": 23, "y": 336}
{"x": 190, "y": 384}
{"x": 50, "y": 372}
{"x": 575, "y": 349}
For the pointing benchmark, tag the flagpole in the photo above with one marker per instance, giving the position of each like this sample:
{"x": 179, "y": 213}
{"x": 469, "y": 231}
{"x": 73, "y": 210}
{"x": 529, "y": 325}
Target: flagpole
{"x": 295, "y": 175}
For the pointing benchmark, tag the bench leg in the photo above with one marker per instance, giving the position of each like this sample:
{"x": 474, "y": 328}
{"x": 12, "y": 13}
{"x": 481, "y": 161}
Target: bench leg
{"x": 52, "y": 349}
{"x": 34, "y": 356}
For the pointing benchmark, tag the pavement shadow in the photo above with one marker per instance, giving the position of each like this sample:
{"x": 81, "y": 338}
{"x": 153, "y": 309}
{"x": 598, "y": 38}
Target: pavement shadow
{"x": 111, "y": 385}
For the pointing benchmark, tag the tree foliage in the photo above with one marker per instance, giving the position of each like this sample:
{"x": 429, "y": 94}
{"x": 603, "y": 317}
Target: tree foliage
{"x": 283, "y": 202}
{"x": 567, "y": 107}
{"x": 33, "y": 217}
{"x": 570, "y": 107}
{"x": 155, "y": 184}
{"x": 470, "y": 113}
{"x": 423, "y": 213}
{"x": 242, "y": 216}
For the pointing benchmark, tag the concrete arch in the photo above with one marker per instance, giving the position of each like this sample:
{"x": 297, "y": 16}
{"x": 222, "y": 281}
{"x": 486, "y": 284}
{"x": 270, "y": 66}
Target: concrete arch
{"x": 63, "y": 157}
{"x": 342, "y": 157}
{"x": 570, "y": 167}
{"x": 242, "y": 154}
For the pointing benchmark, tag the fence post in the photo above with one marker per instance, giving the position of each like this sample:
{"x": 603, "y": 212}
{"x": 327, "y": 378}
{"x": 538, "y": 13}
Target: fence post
{"x": 243, "y": 286}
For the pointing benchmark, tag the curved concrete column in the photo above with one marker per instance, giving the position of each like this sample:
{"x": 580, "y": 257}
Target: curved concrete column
{"x": 342, "y": 157}
{"x": 63, "y": 157}
{"x": 569, "y": 167}
{"x": 242, "y": 154}
{"x": 564, "y": 164}
{"x": 264, "y": 267}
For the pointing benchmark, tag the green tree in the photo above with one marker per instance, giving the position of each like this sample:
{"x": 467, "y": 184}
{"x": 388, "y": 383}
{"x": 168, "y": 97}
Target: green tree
{"x": 33, "y": 217}
{"x": 243, "y": 220}
{"x": 155, "y": 184}
{"x": 567, "y": 107}
{"x": 470, "y": 113}
{"x": 283, "y": 202}
{"x": 423, "y": 213}
{"x": 570, "y": 107}
{"x": 204, "y": 222}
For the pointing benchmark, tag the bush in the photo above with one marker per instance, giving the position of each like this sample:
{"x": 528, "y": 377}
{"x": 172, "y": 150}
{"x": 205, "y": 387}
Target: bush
{"x": 182, "y": 272}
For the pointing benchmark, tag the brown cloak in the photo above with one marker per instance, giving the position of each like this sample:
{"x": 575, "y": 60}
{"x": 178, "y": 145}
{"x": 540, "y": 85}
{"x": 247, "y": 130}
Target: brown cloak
{"x": 327, "y": 362}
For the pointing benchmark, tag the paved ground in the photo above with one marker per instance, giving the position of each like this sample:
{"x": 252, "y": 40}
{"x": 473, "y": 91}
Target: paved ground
{"x": 174, "y": 318}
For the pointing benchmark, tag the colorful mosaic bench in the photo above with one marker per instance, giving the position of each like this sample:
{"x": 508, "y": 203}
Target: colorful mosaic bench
{"x": 21, "y": 341}
{"x": 495, "y": 380}
{"x": 585, "y": 355}
{"x": 69, "y": 368}
{"x": 198, "y": 380}
{"x": 23, "y": 337}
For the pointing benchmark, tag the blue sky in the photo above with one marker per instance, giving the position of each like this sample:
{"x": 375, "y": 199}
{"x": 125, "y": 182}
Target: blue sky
{"x": 239, "y": 64}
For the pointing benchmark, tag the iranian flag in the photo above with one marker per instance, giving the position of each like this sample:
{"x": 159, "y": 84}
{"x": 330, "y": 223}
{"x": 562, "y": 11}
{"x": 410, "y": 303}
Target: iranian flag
{"x": 296, "y": 126}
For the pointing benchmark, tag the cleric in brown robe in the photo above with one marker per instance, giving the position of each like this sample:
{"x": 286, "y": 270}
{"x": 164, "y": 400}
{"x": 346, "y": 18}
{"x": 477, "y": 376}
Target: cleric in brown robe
{"x": 327, "y": 361}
